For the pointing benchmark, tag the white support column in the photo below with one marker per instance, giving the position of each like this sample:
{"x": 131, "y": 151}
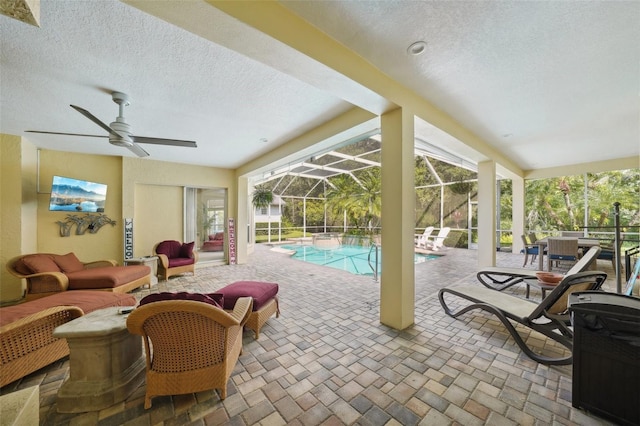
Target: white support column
{"x": 441, "y": 206}
{"x": 486, "y": 213}
{"x": 397, "y": 284}
{"x": 517, "y": 213}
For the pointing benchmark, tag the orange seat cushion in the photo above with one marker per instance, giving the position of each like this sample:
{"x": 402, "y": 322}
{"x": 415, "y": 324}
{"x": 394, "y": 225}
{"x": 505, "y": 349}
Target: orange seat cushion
{"x": 106, "y": 277}
{"x": 87, "y": 300}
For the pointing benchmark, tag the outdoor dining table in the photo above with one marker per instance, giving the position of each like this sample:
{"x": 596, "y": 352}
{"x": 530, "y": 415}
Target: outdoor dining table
{"x": 582, "y": 242}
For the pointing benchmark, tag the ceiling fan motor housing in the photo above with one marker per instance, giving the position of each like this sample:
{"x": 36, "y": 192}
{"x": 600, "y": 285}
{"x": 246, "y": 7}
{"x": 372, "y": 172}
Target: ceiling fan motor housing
{"x": 124, "y": 130}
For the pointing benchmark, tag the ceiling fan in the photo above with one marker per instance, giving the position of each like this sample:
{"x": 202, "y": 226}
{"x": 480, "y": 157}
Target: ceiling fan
{"x": 120, "y": 131}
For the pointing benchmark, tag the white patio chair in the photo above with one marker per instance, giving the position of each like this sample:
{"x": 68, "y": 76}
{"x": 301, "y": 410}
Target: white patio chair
{"x": 437, "y": 242}
{"x": 422, "y": 239}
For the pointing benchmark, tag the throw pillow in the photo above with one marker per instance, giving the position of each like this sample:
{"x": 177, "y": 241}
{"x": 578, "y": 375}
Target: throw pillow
{"x": 218, "y": 298}
{"x": 41, "y": 263}
{"x": 21, "y": 268}
{"x": 219, "y": 236}
{"x": 68, "y": 262}
{"x": 187, "y": 250}
{"x": 183, "y": 295}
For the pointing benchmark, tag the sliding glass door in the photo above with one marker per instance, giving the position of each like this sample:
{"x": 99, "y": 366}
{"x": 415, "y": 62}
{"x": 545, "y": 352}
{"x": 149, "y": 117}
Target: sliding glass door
{"x": 205, "y": 221}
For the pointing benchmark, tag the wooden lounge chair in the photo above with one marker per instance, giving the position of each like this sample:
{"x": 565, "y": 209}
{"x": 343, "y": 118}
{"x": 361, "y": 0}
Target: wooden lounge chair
{"x": 497, "y": 278}
{"x": 550, "y": 317}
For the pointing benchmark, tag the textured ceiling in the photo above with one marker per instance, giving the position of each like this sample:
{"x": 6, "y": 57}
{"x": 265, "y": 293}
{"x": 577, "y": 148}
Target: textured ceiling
{"x": 181, "y": 86}
{"x": 547, "y": 83}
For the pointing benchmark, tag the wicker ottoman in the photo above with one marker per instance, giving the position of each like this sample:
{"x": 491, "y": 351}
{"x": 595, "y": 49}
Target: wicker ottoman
{"x": 265, "y": 301}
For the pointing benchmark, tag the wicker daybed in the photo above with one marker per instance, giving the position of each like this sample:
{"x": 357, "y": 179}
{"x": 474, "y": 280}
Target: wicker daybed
{"x": 48, "y": 273}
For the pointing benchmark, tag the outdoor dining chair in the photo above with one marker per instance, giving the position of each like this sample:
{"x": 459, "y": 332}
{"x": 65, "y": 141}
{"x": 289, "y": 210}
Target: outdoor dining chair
{"x": 562, "y": 250}
{"x": 530, "y": 249}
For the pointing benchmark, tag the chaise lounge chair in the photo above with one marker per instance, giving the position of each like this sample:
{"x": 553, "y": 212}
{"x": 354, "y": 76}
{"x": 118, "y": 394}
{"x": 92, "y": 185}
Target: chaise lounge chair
{"x": 550, "y": 317}
{"x": 497, "y": 278}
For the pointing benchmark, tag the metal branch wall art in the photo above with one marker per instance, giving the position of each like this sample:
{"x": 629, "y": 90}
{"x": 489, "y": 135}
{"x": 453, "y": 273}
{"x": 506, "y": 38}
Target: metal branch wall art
{"x": 88, "y": 222}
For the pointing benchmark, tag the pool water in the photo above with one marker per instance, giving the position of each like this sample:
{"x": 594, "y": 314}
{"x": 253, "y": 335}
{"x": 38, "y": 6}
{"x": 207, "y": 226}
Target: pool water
{"x": 352, "y": 259}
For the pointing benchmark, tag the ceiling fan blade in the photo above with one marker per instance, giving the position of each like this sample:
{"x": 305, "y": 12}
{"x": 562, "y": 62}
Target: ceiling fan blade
{"x": 159, "y": 141}
{"x": 66, "y": 134}
{"x": 137, "y": 150}
{"x": 94, "y": 119}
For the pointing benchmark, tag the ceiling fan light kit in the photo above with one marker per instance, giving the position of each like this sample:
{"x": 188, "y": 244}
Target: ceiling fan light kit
{"x": 120, "y": 131}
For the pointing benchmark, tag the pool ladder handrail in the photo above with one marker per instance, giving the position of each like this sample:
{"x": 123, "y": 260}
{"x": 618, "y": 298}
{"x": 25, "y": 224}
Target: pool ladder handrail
{"x": 375, "y": 246}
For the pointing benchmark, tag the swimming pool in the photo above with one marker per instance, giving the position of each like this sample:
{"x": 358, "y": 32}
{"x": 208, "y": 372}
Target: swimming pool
{"x": 352, "y": 259}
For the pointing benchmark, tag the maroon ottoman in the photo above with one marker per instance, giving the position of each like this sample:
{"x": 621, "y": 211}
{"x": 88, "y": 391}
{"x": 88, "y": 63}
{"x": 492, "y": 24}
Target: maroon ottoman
{"x": 265, "y": 301}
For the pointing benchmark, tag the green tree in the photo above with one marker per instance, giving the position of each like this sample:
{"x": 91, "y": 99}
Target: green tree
{"x": 359, "y": 198}
{"x": 558, "y": 203}
{"x": 549, "y": 202}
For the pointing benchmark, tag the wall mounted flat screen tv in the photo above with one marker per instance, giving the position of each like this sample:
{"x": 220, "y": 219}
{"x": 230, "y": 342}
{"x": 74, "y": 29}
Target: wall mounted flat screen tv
{"x": 74, "y": 195}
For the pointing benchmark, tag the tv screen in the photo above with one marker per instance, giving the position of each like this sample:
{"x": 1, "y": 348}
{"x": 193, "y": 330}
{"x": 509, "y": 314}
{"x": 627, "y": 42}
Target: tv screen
{"x": 74, "y": 195}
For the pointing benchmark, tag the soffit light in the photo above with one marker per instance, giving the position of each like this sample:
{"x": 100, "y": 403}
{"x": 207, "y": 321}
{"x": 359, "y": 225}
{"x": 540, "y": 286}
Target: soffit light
{"x": 417, "y": 48}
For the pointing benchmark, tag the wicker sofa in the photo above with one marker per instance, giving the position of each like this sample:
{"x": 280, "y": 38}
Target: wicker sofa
{"x": 26, "y": 329}
{"x": 48, "y": 273}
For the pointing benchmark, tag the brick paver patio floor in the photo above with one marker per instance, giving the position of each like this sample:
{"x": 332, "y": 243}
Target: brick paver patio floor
{"x": 329, "y": 361}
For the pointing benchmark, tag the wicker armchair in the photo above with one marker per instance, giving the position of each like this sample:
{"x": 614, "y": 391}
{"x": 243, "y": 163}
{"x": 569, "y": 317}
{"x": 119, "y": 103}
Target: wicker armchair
{"x": 190, "y": 346}
{"x": 175, "y": 258}
{"x": 28, "y": 343}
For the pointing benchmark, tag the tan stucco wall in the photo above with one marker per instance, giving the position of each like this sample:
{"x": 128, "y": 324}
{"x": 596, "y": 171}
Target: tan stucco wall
{"x": 17, "y": 207}
{"x": 158, "y": 216}
{"x": 149, "y": 191}
{"x": 153, "y": 197}
{"x": 106, "y": 243}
